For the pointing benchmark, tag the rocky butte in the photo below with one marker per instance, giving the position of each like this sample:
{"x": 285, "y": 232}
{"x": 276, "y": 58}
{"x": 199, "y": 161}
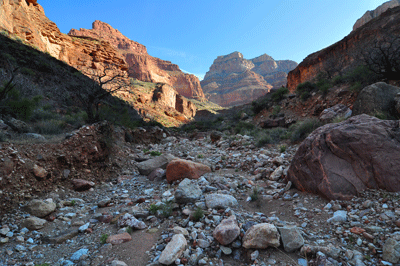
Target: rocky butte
{"x": 343, "y": 53}
{"x": 142, "y": 66}
{"x": 233, "y": 80}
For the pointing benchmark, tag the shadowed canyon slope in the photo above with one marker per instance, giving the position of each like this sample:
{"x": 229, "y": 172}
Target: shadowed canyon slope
{"x": 343, "y": 53}
{"x": 142, "y": 66}
{"x": 233, "y": 80}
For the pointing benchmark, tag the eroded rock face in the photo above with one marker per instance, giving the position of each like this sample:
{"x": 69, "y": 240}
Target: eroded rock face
{"x": 369, "y": 15}
{"x": 234, "y": 80}
{"x": 341, "y": 160}
{"x": 342, "y": 52}
{"x": 142, "y": 66}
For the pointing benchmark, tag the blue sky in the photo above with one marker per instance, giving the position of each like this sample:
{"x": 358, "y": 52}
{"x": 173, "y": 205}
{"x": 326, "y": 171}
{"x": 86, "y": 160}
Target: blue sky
{"x": 193, "y": 33}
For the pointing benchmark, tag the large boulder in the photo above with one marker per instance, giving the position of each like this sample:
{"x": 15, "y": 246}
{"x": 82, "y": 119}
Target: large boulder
{"x": 376, "y": 98}
{"x": 340, "y": 160}
{"x": 180, "y": 169}
{"x": 337, "y": 111}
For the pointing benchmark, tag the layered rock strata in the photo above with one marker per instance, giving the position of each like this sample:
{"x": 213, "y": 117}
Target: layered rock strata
{"x": 343, "y": 54}
{"x": 233, "y": 80}
{"x": 142, "y": 66}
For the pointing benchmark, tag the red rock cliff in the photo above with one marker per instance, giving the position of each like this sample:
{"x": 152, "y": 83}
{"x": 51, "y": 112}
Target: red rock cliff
{"x": 341, "y": 53}
{"x": 234, "y": 80}
{"x": 142, "y": 66}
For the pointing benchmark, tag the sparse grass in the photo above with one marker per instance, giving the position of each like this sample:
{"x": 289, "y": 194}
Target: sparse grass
{"x": 255, "y": 195}
{"x": 166, "y": 208}
{"x": 103, "y": 238}
{"x": 129, "y": 230}
{"x": 200, "y": 156}
{"x": 279, "y": 94}
{"x": 198, "y": 214}
{"x": 154, "y": 208}
{"x": 73, "y": 202}
{"x": 302, "y": 129}
{"x": 282, "y": 148}
{"x": 49, "y": 127}
{"x": 276, "y": 110}
{"x": 155, "y": 153}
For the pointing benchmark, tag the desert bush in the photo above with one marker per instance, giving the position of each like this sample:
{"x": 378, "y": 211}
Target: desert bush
{"x": 24, "y": 108}
{"x": 244, "y": 127}
{"x": 279, "y": 94}
{"x": 304, "y": 90}
{"x": 301, "y": 130}
{"x": 49, "y": 127}
{"x": 270, "y": 136}
{"x": 198, "y": 214}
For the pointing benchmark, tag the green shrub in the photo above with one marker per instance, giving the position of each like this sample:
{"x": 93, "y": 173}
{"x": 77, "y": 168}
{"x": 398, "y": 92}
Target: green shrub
{"x": 154, "y": 208}
{"x": 155, "y": 153}
{"x": 103, "y": 238}
{"x": 323, "y": 86}
{"x": 259, "y": 105}
{"x": 166, "y": 208}
{"x": 302, "y": 129}
{"x": 282, "y": 148}
{"x": 276, "y": 110}
{"x": 356, "y": 87}
{"x": 279, "y": 94}
{"x": 24, "y": 108}
{"x": 255, "y": 195}
{"x": 198, "y": 214}
{"x": 243, "y": 127}
{"x": 27, "y": 71}
{"x": 270, "y": 136}
{"x": 304, "y": 90}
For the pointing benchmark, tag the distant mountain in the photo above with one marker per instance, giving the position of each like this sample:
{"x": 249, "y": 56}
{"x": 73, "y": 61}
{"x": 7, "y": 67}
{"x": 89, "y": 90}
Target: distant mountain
{"x": 342, "y": 53}
{"x": 233, "y": 80}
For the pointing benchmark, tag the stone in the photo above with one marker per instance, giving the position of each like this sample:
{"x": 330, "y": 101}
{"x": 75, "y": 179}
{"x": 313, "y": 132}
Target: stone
{"x": 227, "y": 231}
{"x": 277, "y": 173}
{"x": 81, "y": 184}
{"x": 39, "y": 172}
{"x": 146, "y": 167}
{"x": 215, "y": 201}
{"x": 119, "y": 239}
{"x": 376, "y": 98}
{"x": 291, "y": 238}
{"x": 337, "y": 111}
{"x": 118, "y": 263}
{"x": 61, "y": 238}
{"x": 261, "y": 236}
{"x": 34, "y": 223}
{"x": 187, "y": 191}
{"x": 129, "y": 220}
{"x": 40, "y": 208}
{"x": 179, "y": 169}
{"x": 391, "y": 251}
{"x": 78, "y": 254}
{"x": 157, "y": 175}
{"x": 173, "y": 250}
{"x": 180, "y": 230}
{"x": 397, "y": 103}
{"x": 338, "y": 161}
{"x": 18, "y": 125}
{"x": 338, "y": 216}
{"x": 104, "y": 202}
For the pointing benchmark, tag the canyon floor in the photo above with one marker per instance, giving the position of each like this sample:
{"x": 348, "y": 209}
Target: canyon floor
{"x": 75, "y": 232}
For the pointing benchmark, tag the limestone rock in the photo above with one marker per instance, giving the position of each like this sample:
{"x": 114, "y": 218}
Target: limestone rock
{"x": 376, "y": 98}
{"x": 173, "y": 250}
{"x": 391, "y": 251}
{"x": 337, "y": 111}
{"x": 146, "y": 167}
{"x": 129, "y": 220}
{"x": 40, "y": 208}
{"x": 261, "y": 236}
{"x": 187, "y": 191}
{"x": 227, "y": 231}
{"x": 179, "y": 169}
{"x": 291, "y": 238}
{"x": 215, "y": 201}
{"x": 277, "y": 173}
{"x": 34, "y": 223}
{"x": 340, "y": 160}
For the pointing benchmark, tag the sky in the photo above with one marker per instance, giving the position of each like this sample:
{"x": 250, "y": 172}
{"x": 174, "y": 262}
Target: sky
{"x": 193, "y": 33}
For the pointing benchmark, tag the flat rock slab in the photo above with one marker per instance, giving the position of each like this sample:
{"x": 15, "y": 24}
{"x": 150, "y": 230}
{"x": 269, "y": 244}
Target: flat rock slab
{"x": 119, "y": 239}
{"x": 215, "y": 201}
{"x": 146, "y": 167}
{"x": 338, "y": 161}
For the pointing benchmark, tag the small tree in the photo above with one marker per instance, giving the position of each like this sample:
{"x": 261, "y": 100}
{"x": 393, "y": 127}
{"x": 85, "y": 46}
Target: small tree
{"x": 105, "y": 83}
{"x": 382, "y": 57}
